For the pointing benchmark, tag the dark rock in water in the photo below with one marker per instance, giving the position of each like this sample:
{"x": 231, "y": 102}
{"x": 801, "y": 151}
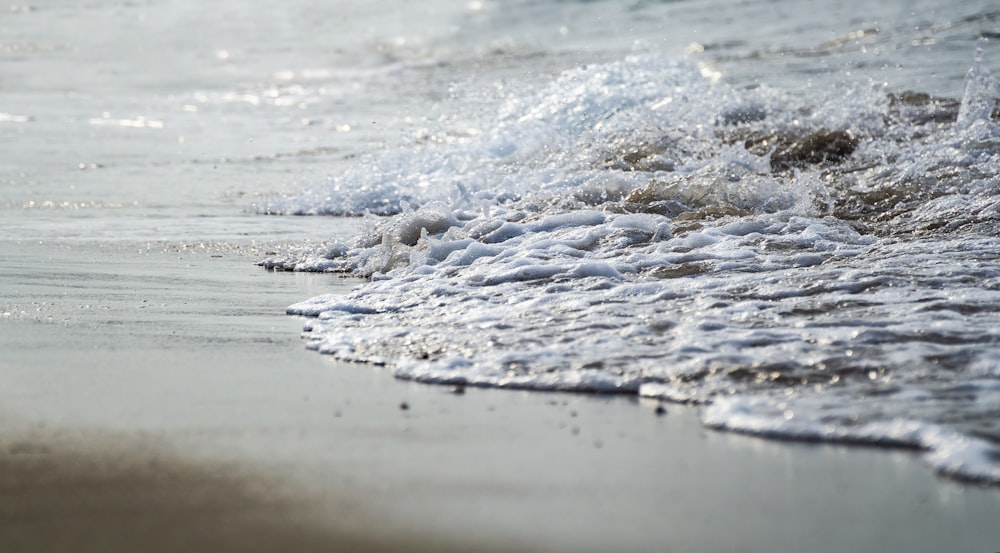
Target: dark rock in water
{"x": 638, "y": 202}
{"x": 819, "y": 147}
{"x": 865, "y": 191}
{"x": 403, "y": 406}
{"x": 640, "y": 157}
{"x": 790, "y": 151}
{"x": 919, "y": 108}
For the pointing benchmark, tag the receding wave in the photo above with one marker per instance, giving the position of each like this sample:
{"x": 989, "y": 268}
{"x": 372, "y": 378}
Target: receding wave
{"x": 820, "y": 267}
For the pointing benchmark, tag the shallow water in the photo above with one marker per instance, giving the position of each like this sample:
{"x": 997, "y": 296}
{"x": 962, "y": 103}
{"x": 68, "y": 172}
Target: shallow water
{"x": 810, "y": 262}
{"x": 786, "y": 213}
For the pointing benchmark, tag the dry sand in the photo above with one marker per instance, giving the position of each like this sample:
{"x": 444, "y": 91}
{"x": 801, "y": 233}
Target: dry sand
{"x": 161, "y": 401}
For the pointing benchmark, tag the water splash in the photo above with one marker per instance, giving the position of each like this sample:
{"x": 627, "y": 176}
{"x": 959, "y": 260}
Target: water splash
{"x": 981, "y": 92}
{"x": 810, "y": 267}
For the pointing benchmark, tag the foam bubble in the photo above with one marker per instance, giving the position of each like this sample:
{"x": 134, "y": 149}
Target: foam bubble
{"x": 809, "y": 268}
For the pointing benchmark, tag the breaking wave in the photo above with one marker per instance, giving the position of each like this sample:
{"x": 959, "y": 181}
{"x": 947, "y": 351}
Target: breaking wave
{"x": 820, "y": 267}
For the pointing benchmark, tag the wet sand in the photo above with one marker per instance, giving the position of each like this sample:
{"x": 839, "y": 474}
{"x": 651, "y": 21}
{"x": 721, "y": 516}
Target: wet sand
{"x": 87, "y": 492}
{"x": 160, "y": 400}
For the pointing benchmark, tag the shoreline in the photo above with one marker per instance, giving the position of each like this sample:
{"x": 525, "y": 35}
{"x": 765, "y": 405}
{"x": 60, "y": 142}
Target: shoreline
{"x": 188, "y": 360}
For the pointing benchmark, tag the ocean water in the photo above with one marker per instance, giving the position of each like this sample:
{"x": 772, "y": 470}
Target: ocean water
{"x": 785, "y": 213}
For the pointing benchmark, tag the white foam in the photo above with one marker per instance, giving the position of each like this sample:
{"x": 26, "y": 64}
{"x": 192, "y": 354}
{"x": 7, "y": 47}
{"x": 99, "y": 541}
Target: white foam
{"x": 598, "y": 237}
{"x": 948, "y": 451}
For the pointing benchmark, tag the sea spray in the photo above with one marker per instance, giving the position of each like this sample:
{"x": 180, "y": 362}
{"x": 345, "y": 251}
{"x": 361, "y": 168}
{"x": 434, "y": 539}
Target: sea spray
{"x": 807, "y": 267}
{"x": 981, "y": 92}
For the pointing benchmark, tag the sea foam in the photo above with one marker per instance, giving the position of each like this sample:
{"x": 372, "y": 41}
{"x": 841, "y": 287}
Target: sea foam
{"x": 818, "y": 268}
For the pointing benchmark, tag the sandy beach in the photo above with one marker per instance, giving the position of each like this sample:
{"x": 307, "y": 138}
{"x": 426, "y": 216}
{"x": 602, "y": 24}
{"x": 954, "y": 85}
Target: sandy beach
{"x": 152, "y": 400}
{"x": 155, "y": 396}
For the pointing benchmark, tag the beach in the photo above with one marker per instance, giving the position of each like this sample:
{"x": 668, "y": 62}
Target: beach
{"x": 766, "y": 234}
{"x": 194, "y": 424}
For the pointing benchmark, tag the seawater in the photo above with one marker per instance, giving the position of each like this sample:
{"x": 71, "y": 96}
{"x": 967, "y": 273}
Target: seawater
{"x": 785, "y": 213}
{"x": 813, "y": 258}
